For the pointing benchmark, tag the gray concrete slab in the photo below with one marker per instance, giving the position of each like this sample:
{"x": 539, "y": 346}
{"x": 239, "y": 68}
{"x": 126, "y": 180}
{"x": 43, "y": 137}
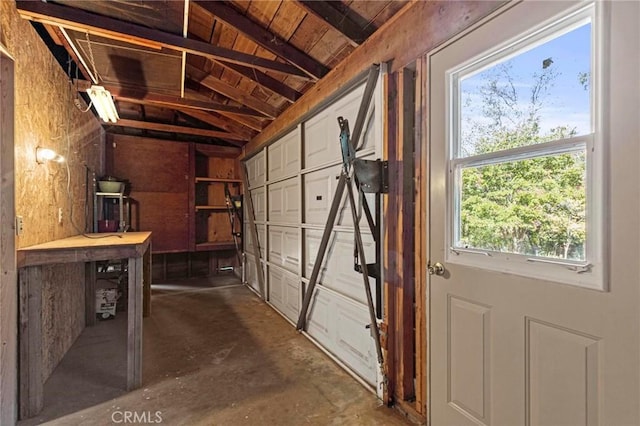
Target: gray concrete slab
{"x": 214, "y": 354}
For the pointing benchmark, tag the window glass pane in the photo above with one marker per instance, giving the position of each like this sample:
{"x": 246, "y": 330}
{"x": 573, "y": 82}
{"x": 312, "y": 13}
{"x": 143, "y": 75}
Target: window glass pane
{"x": 540, "y": 94}
{"x": 534, "y": 207}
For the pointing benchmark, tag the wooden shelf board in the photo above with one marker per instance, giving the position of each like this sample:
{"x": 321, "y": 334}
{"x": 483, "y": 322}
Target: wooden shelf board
{"x": 198, "y": 208}
{"x": 217, "y": 180}
{"x": 215, "y": 245}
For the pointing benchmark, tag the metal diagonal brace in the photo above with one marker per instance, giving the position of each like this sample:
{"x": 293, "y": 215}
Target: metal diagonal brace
{"x": 348, "y": 147}
{"x": 254, "y": 231}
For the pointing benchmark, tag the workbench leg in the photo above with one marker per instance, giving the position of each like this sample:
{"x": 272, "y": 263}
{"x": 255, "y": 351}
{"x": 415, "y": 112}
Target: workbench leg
{"x": 134, "y": 323}
{"x": 146, "y": 276}
{"x": 90, "y": 294}
{"x": 30, "y": 338}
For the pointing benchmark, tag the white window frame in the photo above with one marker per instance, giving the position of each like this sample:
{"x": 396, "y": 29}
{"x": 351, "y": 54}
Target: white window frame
{"x": 592, "y": 272}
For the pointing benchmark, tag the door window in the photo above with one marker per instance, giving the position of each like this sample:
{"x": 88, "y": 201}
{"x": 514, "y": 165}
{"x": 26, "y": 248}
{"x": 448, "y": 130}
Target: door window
{"x": 524, "y": 152}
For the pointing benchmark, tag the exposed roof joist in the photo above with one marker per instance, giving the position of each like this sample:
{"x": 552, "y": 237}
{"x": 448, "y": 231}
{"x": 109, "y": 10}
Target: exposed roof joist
{"x": 250, "y": 122}
{"x": 218, "y": 121}
{"x": 224, "y": 12}
{"x": 264, "y": 80}
{"x": 137, "y": 96}
{"x": 338, "y": 20}
{"x": 161, "y": 127}
{"x": 229, "y": 91}
{"x": 79, "y": 20}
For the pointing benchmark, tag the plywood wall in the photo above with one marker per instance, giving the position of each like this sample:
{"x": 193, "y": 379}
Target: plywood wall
{"x": 45, "y": 115}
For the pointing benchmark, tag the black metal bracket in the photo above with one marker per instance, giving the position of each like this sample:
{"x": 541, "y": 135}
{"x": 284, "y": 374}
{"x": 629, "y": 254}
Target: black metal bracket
{"x": 372, "y": 175}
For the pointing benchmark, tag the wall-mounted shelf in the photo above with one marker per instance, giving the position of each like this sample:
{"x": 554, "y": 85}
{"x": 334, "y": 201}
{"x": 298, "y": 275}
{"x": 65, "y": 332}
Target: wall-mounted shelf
{"x": 198, "y": 208}
{"x": 217, "y": 245}
{"x": 217, "y": 180}
{"x": 213, "y": 227}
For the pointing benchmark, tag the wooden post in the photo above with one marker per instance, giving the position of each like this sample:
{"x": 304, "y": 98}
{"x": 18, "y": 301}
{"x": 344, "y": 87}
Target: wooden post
{"x": 406, "y": 291}
{"x": 146, "y": 277}
{"x": 31, "y": 385}
{"x": 400, "y": 285}
{"x": 134, "y": 323}
{"x": 90, "y": 294}
{"x": 389, "y": 208}
{"x": 8, "y": 274}
{"x": 421, "y": 208}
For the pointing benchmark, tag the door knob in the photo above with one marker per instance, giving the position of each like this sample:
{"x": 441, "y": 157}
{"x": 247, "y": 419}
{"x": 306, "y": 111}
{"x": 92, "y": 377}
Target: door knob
{"x": 436, "y": 269}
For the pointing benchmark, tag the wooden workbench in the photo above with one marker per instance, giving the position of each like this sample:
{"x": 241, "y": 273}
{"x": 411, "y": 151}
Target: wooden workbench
{"x": 89, "y": 248}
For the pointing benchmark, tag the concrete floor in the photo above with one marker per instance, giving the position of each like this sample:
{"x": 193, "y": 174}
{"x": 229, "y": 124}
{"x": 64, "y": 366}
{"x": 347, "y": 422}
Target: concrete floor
{"x": 214, "y": 354}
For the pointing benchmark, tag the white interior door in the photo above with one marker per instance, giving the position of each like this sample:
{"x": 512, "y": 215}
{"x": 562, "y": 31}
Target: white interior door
{"x": 533, "y": 338}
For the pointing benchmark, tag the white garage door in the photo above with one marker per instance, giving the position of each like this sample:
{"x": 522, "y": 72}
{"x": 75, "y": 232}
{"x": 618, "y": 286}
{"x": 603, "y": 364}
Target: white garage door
{"x": 292, "y": 183}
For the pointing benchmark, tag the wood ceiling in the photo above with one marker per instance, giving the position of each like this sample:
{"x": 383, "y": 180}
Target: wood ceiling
{"x": 210, "y": 71}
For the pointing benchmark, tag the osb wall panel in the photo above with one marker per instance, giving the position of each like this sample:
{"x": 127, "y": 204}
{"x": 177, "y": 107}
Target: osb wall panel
{"x": 45, "y": 115}
{"x": 62, "y": 309}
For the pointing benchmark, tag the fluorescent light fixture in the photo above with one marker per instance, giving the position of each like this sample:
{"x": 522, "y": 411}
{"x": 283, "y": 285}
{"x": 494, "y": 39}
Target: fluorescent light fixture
{"x": 103, "y": 103}
{"x": 45, "y": 154}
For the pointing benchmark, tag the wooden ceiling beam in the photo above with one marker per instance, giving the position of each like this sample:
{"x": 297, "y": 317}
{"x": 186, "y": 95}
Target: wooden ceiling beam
{"x": 54, "y": 30}
{"x": 337, "y": 20}
{"x": 264, "y": 80}
{"x": 79, "y": 20}
{"x": 236, "y": 140}
{"x": 224, "y": 12}
{"x": 417, "y": 28}
{"x": 141, "y": 97}
{"x": 251, "y": 122}
{"x": 218, "y": 121}
{"x": 54, "y": 33}
{"x": 230, "y": 92}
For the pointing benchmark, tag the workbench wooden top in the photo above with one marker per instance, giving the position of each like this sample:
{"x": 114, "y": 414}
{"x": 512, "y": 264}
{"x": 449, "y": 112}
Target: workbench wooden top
{"x": 85, "y": 248}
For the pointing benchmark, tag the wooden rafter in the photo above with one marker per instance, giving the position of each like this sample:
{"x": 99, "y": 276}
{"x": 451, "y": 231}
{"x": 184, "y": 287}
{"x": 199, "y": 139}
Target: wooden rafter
{"x": 218, "y": 121}
{"x": 230, "y": 92}
{"x": 79, "y": 20}
{"x": 230, "y": 16}
{"x": 141, "y": 97}
{"x": 161, "y": 127}
{"x": 56, "y": 33}
{"x": 264, "y": 80}
{"x": 432, "y": 22}
{"x": 251, "y": 122}
{"x": 338, "y": 20}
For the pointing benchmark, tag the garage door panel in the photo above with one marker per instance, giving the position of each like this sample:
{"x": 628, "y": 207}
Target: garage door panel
{"x": 284, "y": 156}
{"x": 284, "y": 201}
{"x": 249, "y": 247}
{"x": 340, "y": 326}
{"x": 320, "y": 140}
{"x": 259, "y": 204}
{"x": 354, "y": 342}
{"x": 284, "y": 292}
{"x": 256, "y": 170}
{"x": 342, "y": 277}
{"x": 251, "y": 273}
{"x": 337, "y": 272}
{"x": 319, "y": 189}
{"x": 283, "y": 247}
{"x": 293, "y": 295}
{"x": 311, "y": 246}
{"x": 318, "y": 317}
{"x": 276, "y": 287}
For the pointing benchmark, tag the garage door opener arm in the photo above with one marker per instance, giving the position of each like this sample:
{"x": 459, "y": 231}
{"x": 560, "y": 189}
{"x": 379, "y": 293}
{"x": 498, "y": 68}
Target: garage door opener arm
{"x": 369, "y": 176}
